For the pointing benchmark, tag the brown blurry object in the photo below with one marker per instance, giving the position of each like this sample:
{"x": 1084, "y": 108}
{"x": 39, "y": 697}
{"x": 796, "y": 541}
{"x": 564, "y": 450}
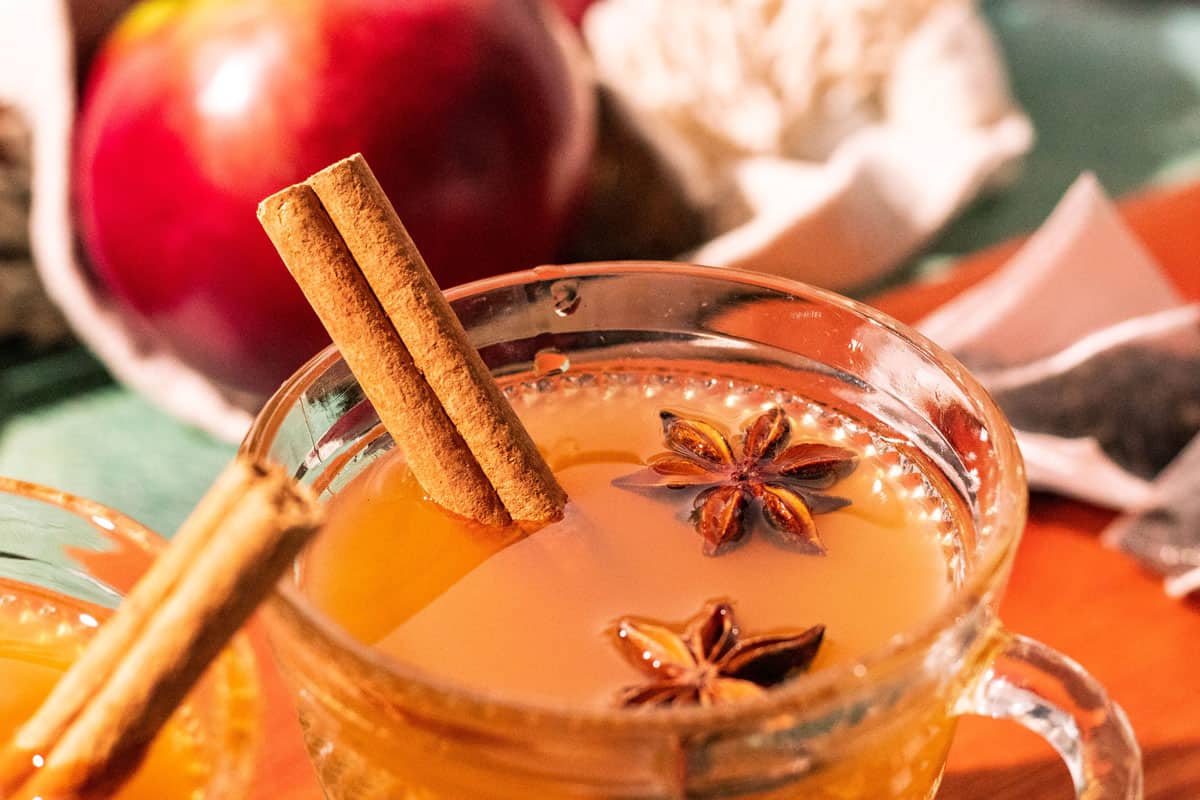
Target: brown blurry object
{"x": 25, "y": 310}
{"x": 15, "y": 174}
{"x": 90, "y": 20}
{"x": 636, "y": 206}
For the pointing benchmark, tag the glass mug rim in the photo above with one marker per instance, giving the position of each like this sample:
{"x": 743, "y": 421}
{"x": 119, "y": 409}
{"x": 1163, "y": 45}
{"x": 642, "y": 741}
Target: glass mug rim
{"x": 114, "y": 522}
{"x": 988, "y": 570}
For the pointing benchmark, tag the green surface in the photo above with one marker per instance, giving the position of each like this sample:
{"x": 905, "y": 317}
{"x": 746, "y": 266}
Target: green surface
{"x": 63, "y": 422}
{"x": 1112, "y": 87}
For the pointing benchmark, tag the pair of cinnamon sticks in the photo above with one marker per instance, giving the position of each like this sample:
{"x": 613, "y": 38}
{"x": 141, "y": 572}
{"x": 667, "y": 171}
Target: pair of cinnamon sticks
{"x": 342, "y": 241}
{"x": 345, "y": 246}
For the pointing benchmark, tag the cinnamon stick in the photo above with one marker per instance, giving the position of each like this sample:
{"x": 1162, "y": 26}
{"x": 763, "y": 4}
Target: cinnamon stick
{"x": 95, "y": 727}
{"x": 318, "y": 259}
{"x": 429, "y": 333}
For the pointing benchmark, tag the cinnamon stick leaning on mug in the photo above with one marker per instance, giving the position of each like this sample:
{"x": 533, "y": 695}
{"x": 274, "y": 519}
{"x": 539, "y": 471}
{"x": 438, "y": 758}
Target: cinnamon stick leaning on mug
{"x": 94, "y": 727}
{"x": 342, "y": 241}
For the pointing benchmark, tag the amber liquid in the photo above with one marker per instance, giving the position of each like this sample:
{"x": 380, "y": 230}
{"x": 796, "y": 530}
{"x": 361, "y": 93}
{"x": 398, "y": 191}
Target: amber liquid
{"x": 40, "y": 637}
{"x": 527, "y": 617}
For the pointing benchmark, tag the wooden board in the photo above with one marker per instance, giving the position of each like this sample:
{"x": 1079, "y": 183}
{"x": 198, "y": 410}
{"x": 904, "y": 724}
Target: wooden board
{"x": 1067, "y": 590}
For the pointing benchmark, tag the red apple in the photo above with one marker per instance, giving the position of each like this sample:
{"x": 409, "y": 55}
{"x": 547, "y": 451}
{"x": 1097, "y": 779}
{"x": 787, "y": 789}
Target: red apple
{"x": 468, "y": 111}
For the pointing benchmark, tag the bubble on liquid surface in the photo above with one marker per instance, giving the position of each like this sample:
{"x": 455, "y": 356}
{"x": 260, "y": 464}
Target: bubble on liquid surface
{"x": 550, "y": 361}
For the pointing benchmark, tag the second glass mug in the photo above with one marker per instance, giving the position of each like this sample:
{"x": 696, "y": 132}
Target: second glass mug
{"x": 60, "y": 554}
{"x": 878, "y": 728}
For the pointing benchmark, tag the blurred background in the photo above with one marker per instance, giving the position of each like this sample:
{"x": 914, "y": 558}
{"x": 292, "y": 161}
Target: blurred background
{"x": 868, "y": 146}
{"x": 511, "y": 137}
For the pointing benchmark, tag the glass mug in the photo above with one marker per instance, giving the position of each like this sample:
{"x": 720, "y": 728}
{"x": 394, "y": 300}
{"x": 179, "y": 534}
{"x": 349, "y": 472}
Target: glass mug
{"x": 61, "y": 555}
{"x": 877, "y": 728}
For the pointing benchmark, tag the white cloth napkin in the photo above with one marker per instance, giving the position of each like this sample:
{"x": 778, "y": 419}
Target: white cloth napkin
{"x": 824, "y": 140}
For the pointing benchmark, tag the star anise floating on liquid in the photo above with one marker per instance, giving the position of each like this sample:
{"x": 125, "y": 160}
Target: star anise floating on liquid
{"x": 710, "y": 662}
{"x": 786, "y": 482}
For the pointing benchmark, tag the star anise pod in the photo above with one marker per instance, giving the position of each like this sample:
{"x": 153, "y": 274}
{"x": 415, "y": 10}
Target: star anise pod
{"x": 786, "y": 482}
{"x": 709, "y": 662}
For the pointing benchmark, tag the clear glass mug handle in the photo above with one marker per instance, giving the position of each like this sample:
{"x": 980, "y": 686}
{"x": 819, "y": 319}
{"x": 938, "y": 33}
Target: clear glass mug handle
{"x": 1052, "y": 696}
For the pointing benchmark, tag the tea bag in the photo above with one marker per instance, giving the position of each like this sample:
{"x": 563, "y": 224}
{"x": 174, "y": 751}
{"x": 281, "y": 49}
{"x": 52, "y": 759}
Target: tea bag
{"x": 1166, "y": 535}
{"x": 1095, "y": 358}
{"x": 1102, "y": 387}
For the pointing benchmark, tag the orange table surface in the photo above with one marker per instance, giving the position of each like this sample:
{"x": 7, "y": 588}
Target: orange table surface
{"x": 1067, "y": 590}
